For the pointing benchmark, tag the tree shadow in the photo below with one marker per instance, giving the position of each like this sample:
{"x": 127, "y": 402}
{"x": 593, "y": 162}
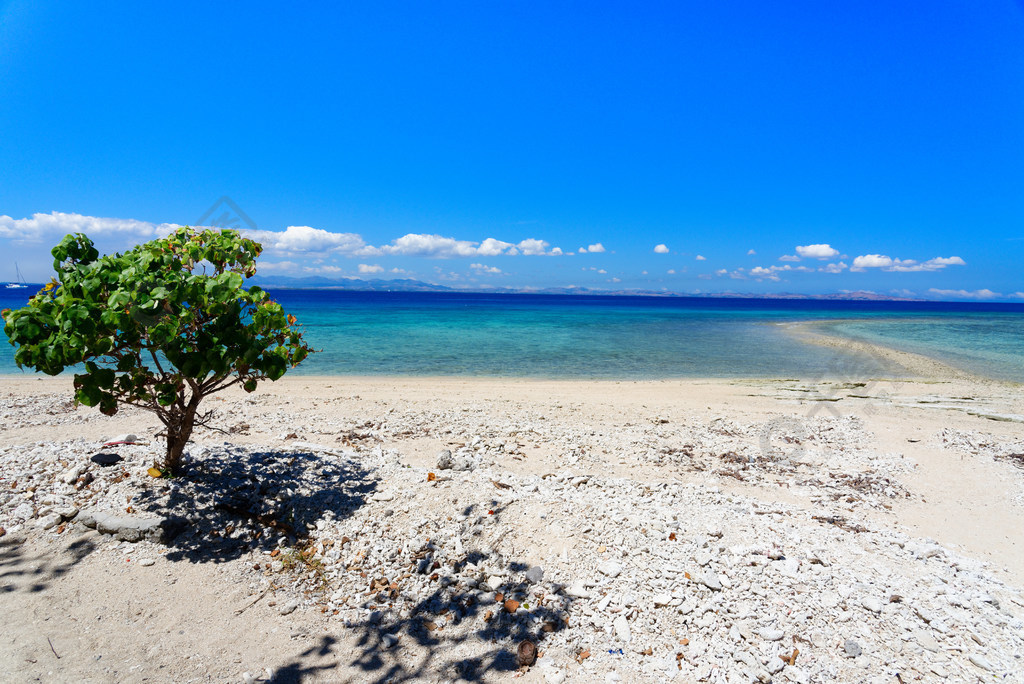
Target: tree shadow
{"x": 232, "y": 500}
{"x": 301, "y": 670}
{"x": 23, "y": 572}
{"x": 460, "y": 630}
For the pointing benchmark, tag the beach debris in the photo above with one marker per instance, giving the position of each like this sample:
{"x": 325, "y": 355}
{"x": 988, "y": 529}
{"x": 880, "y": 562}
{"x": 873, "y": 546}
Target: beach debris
{"x": 105, "y": 459}
{"x": 526, "y": 653}
{"x": 122, "y": 440}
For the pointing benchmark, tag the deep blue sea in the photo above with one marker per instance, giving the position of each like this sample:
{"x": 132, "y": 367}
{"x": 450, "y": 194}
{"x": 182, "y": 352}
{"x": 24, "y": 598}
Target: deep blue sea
{"x": 613, "y": 337}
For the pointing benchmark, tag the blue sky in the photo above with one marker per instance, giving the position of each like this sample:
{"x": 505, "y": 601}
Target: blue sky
{"x": 769, "y": 147}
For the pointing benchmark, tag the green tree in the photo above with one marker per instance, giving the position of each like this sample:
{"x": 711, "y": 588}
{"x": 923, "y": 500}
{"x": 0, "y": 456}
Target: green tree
{"x": 159, "y": 327}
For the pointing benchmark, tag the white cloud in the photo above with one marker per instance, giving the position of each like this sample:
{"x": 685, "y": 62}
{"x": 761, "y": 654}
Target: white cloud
{"x": 871, "y": 261}
{"x": 904, "y": 265}
{"x": 44, "y": 227}
{"x": 671, "y": 271}
{"x": 616, "y": 280}
{"x": 370, "y": 268}
{"x": 533, "y": 247}
{"x": 437, "y": 246}
{"x": 947, "y": 261}
{"x": 596, "y": 248}
{"x": 399, "y": 271}
{"x": 721, "y": 272}
{"x": 751, "y": 252}
{"x": 966, "y": 294}
{"x": 833, "y": 268}
{"x": 789, "y": 257}
{"x": 493, "y": 247}
{"x": 764, "y": 274}
{"x": 820, "y": 251}
{"x": 1019, "y": 295}
{"x": 643, "y": 272}
{"x": 701, "y": 258}
{"x": 481, "y": 268}
{"x": 295, "y": 240}
{"x": 442, "y": 247}
{"x": 278, "y": 267}
{"x": 292, "y": 241}
{"x": 660, "y": 249}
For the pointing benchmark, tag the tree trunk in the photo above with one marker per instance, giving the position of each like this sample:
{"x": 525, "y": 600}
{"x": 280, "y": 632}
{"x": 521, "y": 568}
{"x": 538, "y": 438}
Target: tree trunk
{"x": 178, "y": 432}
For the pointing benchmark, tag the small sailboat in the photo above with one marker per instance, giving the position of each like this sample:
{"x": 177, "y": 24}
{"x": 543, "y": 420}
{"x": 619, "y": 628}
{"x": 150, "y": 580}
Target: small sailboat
{"x": 20, "y": 283}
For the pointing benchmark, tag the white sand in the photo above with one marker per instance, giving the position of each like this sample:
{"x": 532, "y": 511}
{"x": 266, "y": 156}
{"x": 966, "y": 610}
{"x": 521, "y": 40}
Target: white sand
{"x": 109, "y": 620}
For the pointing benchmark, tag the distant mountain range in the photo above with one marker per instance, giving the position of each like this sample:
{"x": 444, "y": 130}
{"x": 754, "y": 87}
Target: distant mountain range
{"x": 410, "y": 285}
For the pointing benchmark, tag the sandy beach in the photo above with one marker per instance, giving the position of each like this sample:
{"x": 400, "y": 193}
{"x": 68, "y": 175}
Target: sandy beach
{"x": 360, "y": 529}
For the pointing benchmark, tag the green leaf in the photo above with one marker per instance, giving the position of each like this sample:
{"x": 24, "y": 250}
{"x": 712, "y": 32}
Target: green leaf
{"x": 144, "y": 323}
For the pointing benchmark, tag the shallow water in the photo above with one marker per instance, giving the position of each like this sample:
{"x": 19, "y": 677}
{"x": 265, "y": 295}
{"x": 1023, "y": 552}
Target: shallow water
{"x": 555, "y": 336}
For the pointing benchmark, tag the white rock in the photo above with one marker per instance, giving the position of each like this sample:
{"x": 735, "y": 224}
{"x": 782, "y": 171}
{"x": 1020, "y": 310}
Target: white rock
{"x": 711, "y": 581}
{"x": 554, "y": 676}
{"x": 50, "y": 521}
{"x": 872, "y": 604}
{"x": 981, "y": 661}
{"x": 926, "y": 640}
{"x": 662, "y": 599}
{"x": 577, "y": 590}
{"x": 610, "y": 568}
{"x": 146, "y": 562}
{"x": 72, "y": 474}
{"x": 494, "y": 582}
{"x": 770, "y": 634}
{"x": 621, "y": 627}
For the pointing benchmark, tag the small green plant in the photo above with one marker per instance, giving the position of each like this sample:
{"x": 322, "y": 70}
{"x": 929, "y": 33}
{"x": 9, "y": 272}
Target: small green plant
{"x": 159, "y": 327}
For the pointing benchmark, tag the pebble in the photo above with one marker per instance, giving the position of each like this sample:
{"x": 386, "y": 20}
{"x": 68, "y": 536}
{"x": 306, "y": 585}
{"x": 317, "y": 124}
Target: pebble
{"x": 444, "y": 460}
{"x": 535, "y": 575}
{"x": 288, "y": 607}
{"x": 770, "y": 634}
{"x": 146, "y": 562}
{"x": 610, "y": 569}
{"x": 852, "y": 648}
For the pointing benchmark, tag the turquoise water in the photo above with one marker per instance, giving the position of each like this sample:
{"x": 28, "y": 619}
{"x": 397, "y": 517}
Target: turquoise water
{"x": 367, "y": 333}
